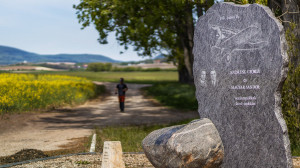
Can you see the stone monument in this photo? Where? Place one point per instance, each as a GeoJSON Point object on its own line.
{"type": "Point", "coordinates": [240, 64]}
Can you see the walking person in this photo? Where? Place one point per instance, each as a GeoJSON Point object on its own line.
{"type": "Point", "coordinates": [121, 89]}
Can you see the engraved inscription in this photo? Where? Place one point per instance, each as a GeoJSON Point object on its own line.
{"type": "Point", "coordinates": [229, 17]}
{"type": "Point", "coordinates": [245, 101]}
{"type": "Point", "coordinates": [243, 72]}
{"type": "Point", "coordinates": [249, 100]}
{"type": "Point", "coordinates": [245, 87]}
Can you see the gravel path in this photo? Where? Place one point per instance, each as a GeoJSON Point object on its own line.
{"type": "Point", "coordinates": [296, 162]}
{"type": "Point", "coordinates": [93, 161]}
{"type": "Point", "coordinates": [56, 129]}
{"type": "Point", "coordinates": [88, 161]}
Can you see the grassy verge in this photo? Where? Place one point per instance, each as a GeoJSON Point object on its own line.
{"type": "Point", "coordinates": [130, 136]}
{"type": "Point", "coordinates": [295, 150]}
{"type": "Point", "coordinates": [99, 90]}
{"type": "Point", "coordinates": [177, 95]}
{"type": "Point", "coordinates": [130, 77]}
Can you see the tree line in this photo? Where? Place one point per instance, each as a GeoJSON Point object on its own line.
{"type": "Point", "coordinates": [108, 67]}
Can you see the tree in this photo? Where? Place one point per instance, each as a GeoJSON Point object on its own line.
{"type": "Point", "coordinates": [291, 92]}
{"type": "Point", "coordinates": [98, 67]}
{"type": "Point", "coordinates": [289, 15]}
{"type": "Point", "coordinates": [151, 26]}
{"type": "Point", "coordinates": [288, 12]}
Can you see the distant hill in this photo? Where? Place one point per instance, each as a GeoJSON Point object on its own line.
{"type": "Point", "coordinates": [10, 55]}
{"type": "Point", "coordinates": [159, 57]}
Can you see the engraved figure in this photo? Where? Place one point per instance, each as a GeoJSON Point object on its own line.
{"type": "Point", "coordinates": [225, 41]}
{"type": "Point", "coordinates": [203, 79]}
{"type": "Point", "coordinates": [213, 77]}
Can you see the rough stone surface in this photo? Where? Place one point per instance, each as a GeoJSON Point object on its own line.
{"type": "Point", "coordinates": [194, 145]}
{"type": "Point", "coordinates": [112, 155]}
{"type": "Point", "coordinates": [240, 64]}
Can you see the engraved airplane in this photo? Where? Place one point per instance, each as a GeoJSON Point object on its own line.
{"type": "Point", "coordinates": [228, 40]}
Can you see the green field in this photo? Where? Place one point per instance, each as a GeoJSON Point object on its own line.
{"type": "Point", "coordinates": [130, 77]}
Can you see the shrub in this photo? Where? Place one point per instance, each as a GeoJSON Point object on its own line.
{"type": "Point", "coordinates": [291, 94]}
{"type": "Point", "coordinates": [98, 67]}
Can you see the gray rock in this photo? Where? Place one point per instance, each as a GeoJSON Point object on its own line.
{"type": "Point", "coordinates": [240, 64]}
{"type": "Point", "coordinates": [194, 145]}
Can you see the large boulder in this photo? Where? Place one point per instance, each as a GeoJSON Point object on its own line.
{"type": "Point", "coordinates": [196, 144]}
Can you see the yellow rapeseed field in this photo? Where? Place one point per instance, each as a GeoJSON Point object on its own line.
{"type": "Point", "coordinates": [23, 92]}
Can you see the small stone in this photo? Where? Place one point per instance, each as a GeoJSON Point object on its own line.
{"type": "Point", "coordinates": [196, 144]}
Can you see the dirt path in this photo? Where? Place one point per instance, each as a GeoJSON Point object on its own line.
{"type": "Point", "coordinates": [49, 131]}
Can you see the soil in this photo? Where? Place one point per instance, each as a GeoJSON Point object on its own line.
{"type": "Point", "coordinates": [58, 129]}
{"type": "Point", "coordinates": [25, 154]}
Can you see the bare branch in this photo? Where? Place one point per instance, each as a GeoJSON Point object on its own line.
{"type": "Point", "coordinates": [287, 22]}
{"type": "Point", "coordinates": [281, 21]}
{"type": "Point", "coordinates": [294, 12]}
{"type": "Point", "coordinates": [286, 12]}
{"type": "Point", "coordinates": [236, 2]}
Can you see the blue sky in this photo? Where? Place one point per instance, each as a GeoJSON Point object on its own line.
{"type": "Point", "coordinates": [51, 27]}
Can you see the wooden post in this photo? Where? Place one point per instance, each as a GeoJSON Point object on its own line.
{"type": "Point", "coordinates": [112, 156]}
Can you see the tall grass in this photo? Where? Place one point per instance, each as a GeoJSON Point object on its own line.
{"type": "Point", "coordinates": [177, 95]}
{"type": "Point", "coordinates": [23, 92]}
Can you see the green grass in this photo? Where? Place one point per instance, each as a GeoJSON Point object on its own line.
{"type": "Point", "coordinates": [82, 162]}
{"type": "Point", "coordinates": [131, 137]}
{"type": "Point", "coordinates": [99, 90]}
{"type": "Point", "coordinates": [295, 150]}
{"type": "Point", "coordinates": [130, 77]}
{"type": "Point", "coordinates": [177, 95]}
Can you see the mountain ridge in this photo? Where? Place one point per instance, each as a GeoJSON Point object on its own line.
{"type": "Point", "coordinates": [11, 55]}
